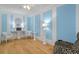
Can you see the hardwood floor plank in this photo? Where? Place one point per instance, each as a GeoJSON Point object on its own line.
{"type": "Point", "coordinates": [25, 46]}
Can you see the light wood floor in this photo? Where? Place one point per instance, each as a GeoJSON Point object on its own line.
{"type": "Point", "coordinates": [25, 46]}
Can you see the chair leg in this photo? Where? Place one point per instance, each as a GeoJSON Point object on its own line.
{"type": "Point", "coordinates": [0, 42]}
{"type": "Point", "coordinates": [6, 40]}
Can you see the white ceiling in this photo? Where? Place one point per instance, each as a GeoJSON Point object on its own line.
{"type": "Point", "coordinates": [35, 7]}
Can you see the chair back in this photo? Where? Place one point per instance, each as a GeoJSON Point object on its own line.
{"type": "Point", "coordinates": [77, 41]}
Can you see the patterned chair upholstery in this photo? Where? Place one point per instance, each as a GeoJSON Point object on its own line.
{"type": "Point", "coordinates": [63, 47]}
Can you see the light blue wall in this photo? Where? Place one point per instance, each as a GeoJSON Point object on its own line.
{"type": "Point", "coordinates": [4, 22]}
{"type": "Point", "coordinates": [37, 25]}
{"type": "Point", "coordinates": [48, 18]}
{"type": "Point", "coordinates": [66, 23]}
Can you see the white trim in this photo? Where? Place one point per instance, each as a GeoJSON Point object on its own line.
{"type": "Point", "coordinates": [26, 25]}
{"type": "Point", "coordinates": [54, 26]}
{"type": "Point", "coordinates": [42, 32]}
{"type": "Point", "coordinates": [77, 14]}
{"type": "Point", "coordinates": [8, 23]}
{"type": "Point", "coordinates": [0, 25]}
{"type": "Point", "coordinates": [34, 26]}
